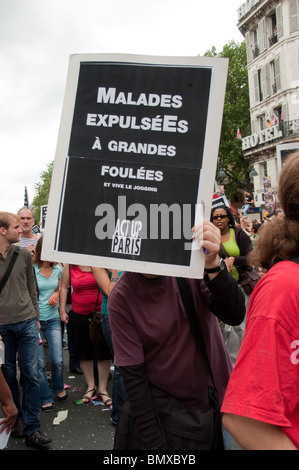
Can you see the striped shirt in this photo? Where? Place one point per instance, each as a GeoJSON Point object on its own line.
{"type": "Point", "coordinates": [25, 242]}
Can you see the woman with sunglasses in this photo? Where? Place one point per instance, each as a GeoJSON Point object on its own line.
{"type": "Point", "coordinates": [236, 244]}
{"type": "Point", "coordinates": [235, 247]}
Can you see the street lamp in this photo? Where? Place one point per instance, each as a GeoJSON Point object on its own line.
{"type": "Point", "coordinates": [221, 174]}
{"type": "Point", "coordinates": [253, 173]}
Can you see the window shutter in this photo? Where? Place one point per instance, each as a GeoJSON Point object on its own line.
{"type": "Point", "coordinates": [293, 15]}
{"type": "Point", "coordinates": [279, 20]}
{"type": "Point", "coordinates": [268, 90]}
{"type": "Point", "coordinates": [248, 46]}
{"type": "Point", "coordinates": [285, 112]}
{"type": "Point", "coordinates": [277, 73]}
{"type": "Point", "coordinates": [263, 82]}
{"type": "Point", "coordinates": [256, 88]}
{"type": "Point", "coordinates": [262, 35]}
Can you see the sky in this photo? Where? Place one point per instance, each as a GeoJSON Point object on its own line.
{"type": "Point", "coordinates": [37, 38]}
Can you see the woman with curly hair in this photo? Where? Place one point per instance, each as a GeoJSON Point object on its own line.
{"type": "Point", "coordinates": [261, 406]}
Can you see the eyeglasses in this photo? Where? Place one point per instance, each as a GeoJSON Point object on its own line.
{"type": "Point", "coordinates": [222, 216]}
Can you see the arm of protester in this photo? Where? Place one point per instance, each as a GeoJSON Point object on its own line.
{"type": "Point", "coordinates": [227, 301]}
{"type": "Point", "coordinates": [256, 435]}
{"type": "Point", "coordinates": [103, 281]}
{"type": "Point", "coordinates": [65, 282]}
{"type": "Point", "coordinates": [208, 237]}
{"type": "Point", "coordinates": [139, 394]}
{"type": "Point", "coordinates": [54, 298]}
{"type": "Point", "coordinates": [31, 248]}
{"type": "Point", "coordinates": [244, 243]}
{"type": "Point", "coordinates": [31, 283]}
{"type": "Point", "coordinates": [8, 407]}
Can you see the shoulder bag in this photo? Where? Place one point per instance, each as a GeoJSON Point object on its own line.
{"type": "Point", "coordinates": [216, 429]}
{"type": "Point", "coordinates": [9, 268]}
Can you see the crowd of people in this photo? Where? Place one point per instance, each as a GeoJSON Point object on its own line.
{"type": "Point", "coordinates": [196, 362]}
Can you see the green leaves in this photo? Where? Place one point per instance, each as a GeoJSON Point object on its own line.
{"type": "Point", "coordinates": [236, 115]}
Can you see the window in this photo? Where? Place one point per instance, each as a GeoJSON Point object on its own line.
{"type": "Point", "coordinates": [256, 49]}
{"type": "Point", "coordinates": [259, 83]}
{"type": "Point", "coordinates": [273, 77]}
{"type": "Point", "coordinates": [262, 122]}
{"type": "Point", "coordinates": [276, 74]}
{"type": "Point", "coordinates": [277, 112]}
{"type": "Point", "coordinates": [273, 30]}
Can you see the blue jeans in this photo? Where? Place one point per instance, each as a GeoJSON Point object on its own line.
{"type": "Point", "coordinates": [245, 207]}
{"type": "Point", "coordinates": [51, 329]}
{"type": "Point", "coordinates": [23, 337]}
{"type": "Point", "coordinates": [118, 388]}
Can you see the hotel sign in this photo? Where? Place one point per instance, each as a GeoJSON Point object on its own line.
{"type": "Point", "coordinates": [262, 137]}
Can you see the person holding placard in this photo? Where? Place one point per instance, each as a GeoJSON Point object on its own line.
{"type": "Point", "coordinates": [168, 377]}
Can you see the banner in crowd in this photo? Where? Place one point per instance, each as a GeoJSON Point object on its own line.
{"type": "Point", "coordinates": [284, 151]}
{"type": "Point", "coordinates": [135, 163]}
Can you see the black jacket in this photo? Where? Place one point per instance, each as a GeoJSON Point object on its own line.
{"type": "Point", "coordinates": [244, 243]}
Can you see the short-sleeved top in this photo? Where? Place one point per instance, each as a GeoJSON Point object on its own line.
{"type": "Point", "coordinates": [84, 291]}
{"type": "Point", "coordinates": [264, 384]}
{"type": "Point", "coordinates": [46, 288]}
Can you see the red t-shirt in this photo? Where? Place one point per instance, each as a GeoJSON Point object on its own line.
{"type": "Point", "coordinates": [264, 384]}
{"type": "Point", "coordinates": [85, 291]}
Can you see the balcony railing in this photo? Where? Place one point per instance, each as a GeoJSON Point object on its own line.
{"type": "Point", "coordinates": [290, 128]}
{"type": "Point", "coordinates": [273, 40]}
{"type": "Point", "coordinates": [256, 52]}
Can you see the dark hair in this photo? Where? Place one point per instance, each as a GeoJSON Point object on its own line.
{"type": "Point", "coordinates": [228, 211]}
{"type": "Point", "coordinates": [37, 254]}
{"type": "Point", "coordinates": [256, 225]}
{"type": "Point", "coordinates": [279, 240]}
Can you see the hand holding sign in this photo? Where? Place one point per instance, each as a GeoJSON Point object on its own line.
{"type": "Point", "coordinates": [208, 237]}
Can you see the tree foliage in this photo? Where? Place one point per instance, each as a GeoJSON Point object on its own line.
{"type": "Point", "coordinates": [42, 190]}
{"type": "Point", "coordinates": [236, 115]}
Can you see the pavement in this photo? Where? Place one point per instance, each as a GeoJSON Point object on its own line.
{"type": "Point", "coordinates": [86, 427]}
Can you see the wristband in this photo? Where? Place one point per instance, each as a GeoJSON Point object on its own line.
{"type": "Point", "coordinates": [217, 269]}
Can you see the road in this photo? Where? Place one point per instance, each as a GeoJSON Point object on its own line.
{"type": "Point", "coordinates": [87, 427]}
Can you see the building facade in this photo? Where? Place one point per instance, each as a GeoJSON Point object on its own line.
{"type": "Point", "coordinates": [271, 31]}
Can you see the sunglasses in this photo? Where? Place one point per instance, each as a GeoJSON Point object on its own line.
{"type": "Point", "coordinates": [222, 216]}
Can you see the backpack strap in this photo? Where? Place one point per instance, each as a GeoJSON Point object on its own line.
{"type": "Point", "coordinates": [194, 323]}
{"type": "Point", "coordinates": [9, 268]}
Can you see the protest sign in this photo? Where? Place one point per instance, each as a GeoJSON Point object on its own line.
{"type": "Point", "coordinates": [43, 216]}
{"type": "Point", "coordinates": [135, 162]}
